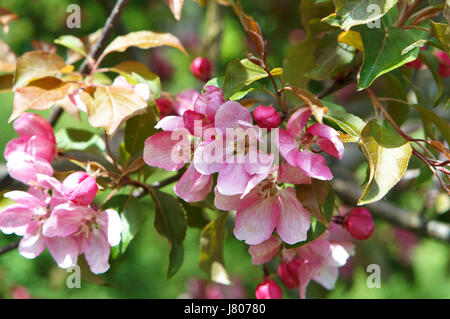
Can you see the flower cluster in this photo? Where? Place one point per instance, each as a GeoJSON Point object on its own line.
{"type": "Point", "coordinates": [217, 136]}
{"type": "Point", "coordinates": [52, 214]}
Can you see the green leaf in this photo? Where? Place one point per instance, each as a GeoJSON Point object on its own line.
{"type": "Point", "coordinates": [387, 154]}
{"type": "Point", "coordinates": [395, 88]}
{"type": "Point", "coordinates": [72, 139]}
{"type": "Point", "coordinates": [211, 255]}
{"type": "Point", "coordinates": [329, 56]}
{"type": "Point", "coordinates": [241, 73]}
{"type": "Point", "coordinates": [442, 32]}
{"type": "Point", "coordinates": [133, 216]}
{"type": "Point", "coordinates": [138, 129]}
{"type": "Point", "coordinates": [349, 123]}
{"type": "Point", "coordinates": [312, 11]}
{"type": "Point", "coordinates": [383, 49]}
{"type": "Point", "coordinates": [312, 196]}
{"type": "Point", "coordinates": [355, 12]}
{"type": "Point", "coordinates": [72, 42]}
{"type": "Point", "coordinates": [170, 222]}
{"type": "Point", "coordinates": [440, 123]}
{"type": "Point", "coordinates": [430, 60]}
{"type": "Point", "coordinates": [298, 62]}
{"type": "Point", "coordinates": [194, 215]}
{"type": "Point", "coordinates": [217, 81]}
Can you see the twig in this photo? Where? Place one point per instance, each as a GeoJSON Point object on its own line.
{"type": "Point", "coordinates": [97, 50]}
{"type": "Point", "coordinates": [348, 192]}
{"type": "Point", "coordinates": [407, 13]}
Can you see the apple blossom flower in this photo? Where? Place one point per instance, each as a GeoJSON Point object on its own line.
{"type": "Point", "coordinates": [265, 208]}
{"type": "Point", "coordinates": [185, 100]}
{"type": "Point", "coordinates": [268, 289]}
{"type": "Point", "coordinates": [266, 116]}
{"type": "Point", "coordinates": [80, 188]}
{"type": "Point", "coordinates": [33, 151]}
{"type": "Point", "coordinates": [295, 144]}
{"type": "Point", "coordinates": [94, 231]}
{"type": "Point", "coordinates": [317, 260]}
{"type": "Point", "coordinates": [165, 107]}
{"type": "Point", "coordinates": [201, 68]}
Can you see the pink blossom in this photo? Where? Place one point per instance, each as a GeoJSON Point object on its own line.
{"type": "Point", "coordinates": [80, 188]}
{"type": "Point", "coordinates": [185, 101]}
{"type": "Point", "coordinates": [268, 289]}
{"type": "Point", "coordinates": [265, 208]}
{"type": "Point", "coordinates": [201, 68]}
{"type": "Point", "coordinates": [94, 231]}
{"type": "Point", "coordinates": [165, 107]}
{"type": "Point", "coordinates": [266, 116]}
{"type": "Point", "coordinates": [317, 260]}
{"type": "Point", "coordinates": [295, 144]}
{"type": "Point", "coordinates": [444, 63]}
{"type": "Point", "coordinates": [32, 152]}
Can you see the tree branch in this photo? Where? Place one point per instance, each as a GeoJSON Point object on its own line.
{"type": "Point", "coordinates": [349, 194]}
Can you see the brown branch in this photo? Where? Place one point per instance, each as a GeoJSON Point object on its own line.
{"type": "Point", "coordinates": [349, 193]}
{"type": "Point", "coordinates": [97, 50]}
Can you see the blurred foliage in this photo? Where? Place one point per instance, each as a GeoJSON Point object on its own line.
{"type": "Point", "coordinates": [140, 272]}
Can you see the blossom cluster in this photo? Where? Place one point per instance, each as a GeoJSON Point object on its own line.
{"type": "Point", "coordinates": [59, 216]}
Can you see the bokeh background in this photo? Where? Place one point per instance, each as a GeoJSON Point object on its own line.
{"type": "Point", "coordinates": [411, 267]}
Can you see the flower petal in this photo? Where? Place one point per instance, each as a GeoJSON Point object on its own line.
{"type": "Point", "coordinates": [294, 220]}
{"type": "Point", "coordinates": [264, 252]}
{"type": "Point", "coordinates": [193, 186]}
{"type": "Point", "coordinates": [292, 175]}
{"type": "Point", "coordinates": [328, 139]}
{"type": "Point", "coordinates": [65, 220]}
{"type": "Point", "coordinates": [297, 121]}
{"type": "Point", "coordinates": [15, 219]}
{"type": "Point", "coordinates": [64, 250]}
{"type": "Point", "coordinates": [32, 245]}
{"type": "Point", "coordinates": [97, 252]}
{"type": "Point", "coordinates": [233, 179]}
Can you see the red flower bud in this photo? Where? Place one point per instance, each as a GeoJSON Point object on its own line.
{"type": "Point", "coordinates": [415, 64]}
{"type": "Point", "coordinates": [359, 223]}
{"type": "Point", "coordinates": [268, 289]}
{"type": "Point", "coordinates": [165, 107]}
{"type": "Point", "coordinates": [201, 68]}
{"type": "Point", "coordinates": [444, 64]}
{"type": "Point", "coordinates": [80, 188]}
{"type": "Point", "coordinates": [266, 116]}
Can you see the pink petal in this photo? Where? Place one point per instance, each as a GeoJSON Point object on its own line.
{"type": "Point", "coordinates": [24, 168]}
{"type": "Point", "coordinates": [40, 147]}
{"type": "Point", "coordinates": [233, 179]}
{"type": "Point", "coordinates": [32, 245]}
{"type": "Point", "coordinates": [26, 199]}
{"type": "Point", "coordinates": [97, 252]}
{"type": "Point", "coordinates": [193, 186]}
{"type": "Point", "coordinates": [286, 144]}
{"type": "Point", "coordinates": [29, 124]}
{"type": "Point", "coordinates": [185, 101]}
{"type": "Point", "coordinates": [111, 224]}
{"type": "Point", "coordinates": [256, 219]}
{"type": "Point", "coordinates": [297, 121]}
{"type": "Point", "coordinates": [230, 114]}
{"type": "Point", "coordinates": [65, 220]}
{"type": "Point", "coordinates": [226, 203]}
{"type": "Point", "coordinates": [209, 102]}
{"type": "Point", "coordinates": [167, 151]}
{"type": "Point", "coordinates": [195, 122]}
{"type": "Point", "coordinates": [64, 250]}
{"type": "Point", "coordinates": [264, 252]}
{"type": "Point", "coordinates": [170, 123]}
{"type": "Point", "coordinates": [312, 164]}
{"type": "Point", "coordinates": [294, 220]}
{"type": "Point", "coordinates": [209, 157]}
{"type": "Point", "coordinates": [328, 139]}
{"type": "Point", "coordinates": [327, 277]}
{"type": "Point", "coordinates": [292, 175]}
{"type": "Point", "coordinates": [15, 219]}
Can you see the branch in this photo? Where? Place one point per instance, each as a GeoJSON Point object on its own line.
{"type": "Point", "coordinates": [97, 50]}
{"type": "Point", "coordinates": [349, 194]}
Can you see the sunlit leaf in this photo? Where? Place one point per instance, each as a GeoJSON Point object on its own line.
{"type": "Point", "coordinates": [176, 6]}
{"type": "Point", "coordinates": [349, 123]}
{"type": "Point", "coordinates": [112, 106]}
{"type": "Point", "coordinates": [72, 139]}
{"type": "Point", "coordinates": [352, 38]}
{"type": "Point", "coordinates": [39, 95]}
{"type": "Point", "coordinates": [354, 12]}
{"type": "Point", "coordinates": [36, 65]}
{"type": "Point", "coordinates": [388, 154]}
{"type": "Point", "coordinates": [73, 43]}
{"type": "Point", "coordinates": [211, 255]}
{"type": "Point", "coordinates": [143, 40]}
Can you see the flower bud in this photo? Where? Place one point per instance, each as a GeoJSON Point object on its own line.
{"type": "Point", "coordinates": [266, 116]}
{"type": "Point", "coordinates": [80, 188]}
{"type": "Point", "coordinates": [415, 64]}
{"type": "Point", "coordinates": [165, 106]}
{"type": "Point", "coordinates": [359, 223]}
{"type": "Point", "coordinates": [444, 64]}
{"type": "Point", "coordinates": [268, 289]}
{"type": "Point", "coordinates": [201, 68]}
{"type": "Point", "coordinates": [288, 272]}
